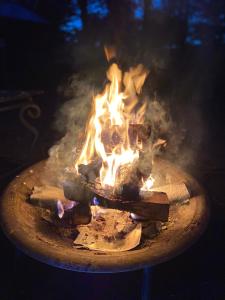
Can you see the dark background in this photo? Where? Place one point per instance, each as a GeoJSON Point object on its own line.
{"type": "Point", "coordinates": [182, 42]}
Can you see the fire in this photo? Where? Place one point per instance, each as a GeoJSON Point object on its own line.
{"type": "Point", "coordinates": [148, 183]}
{"type": "Point", "coordinates": [107, 130]}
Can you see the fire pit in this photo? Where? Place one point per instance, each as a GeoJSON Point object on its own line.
{"type": "Point", "coordinates": [23, 225]}
{"type": "Point", "coordinates": [108, 203]}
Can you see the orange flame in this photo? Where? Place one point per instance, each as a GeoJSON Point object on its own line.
{"type": "Point", "coordinates": [113, 111]}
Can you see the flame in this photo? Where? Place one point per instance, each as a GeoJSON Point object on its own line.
{"type": "Point", "coordinates": [107, 129]}
{"type": "Point", "coordinates": [147, 184]}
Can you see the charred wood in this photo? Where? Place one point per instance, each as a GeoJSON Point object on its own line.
{"type": "Point", "coordinates": [91, 171]}
{"type": "Point", "coordinates": [154, 207]}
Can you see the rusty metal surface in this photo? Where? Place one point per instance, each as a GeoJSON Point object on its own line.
{"type": "Point", "coordinates": [22, 224]}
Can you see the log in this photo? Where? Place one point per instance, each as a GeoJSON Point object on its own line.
{"type": "Point", "coordinates": [77, 190]}
{"type": "Point", "coordinates": [78, 215]}
{"type": "Point", "coordinates": [154, 207]}
{"type": "Point", "coordinates": [91, 171]}
{"type": "Point", "coordinates": [139, 132]}
{"type": "Point", "coordinates": [175, 192]}
{"type": "Point", "coordinates": [52, 198]}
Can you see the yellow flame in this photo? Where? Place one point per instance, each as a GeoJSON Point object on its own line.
{"type": "Point", "coordinates": [147, 184]}
{"type": "Point", "coordinates": [113, 111]}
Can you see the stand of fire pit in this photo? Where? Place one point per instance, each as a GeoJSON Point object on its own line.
{"type": "Point", "coordinates": [23, 225]}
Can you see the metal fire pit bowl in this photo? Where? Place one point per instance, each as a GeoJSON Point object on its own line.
{"type": "Point", "coordinates": [23, 225]}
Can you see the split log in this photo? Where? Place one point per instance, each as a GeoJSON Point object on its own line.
{"type": "Point", "coordinates": [77, 190]}
{"type": "Point", "coordinates": [52, 198]}
{"type": "Point", "coordinates": [78, 215]}
{"type": "Point", "coordinates": [175, 192]}
{"type": "Point", "coordinates": [154, 207]}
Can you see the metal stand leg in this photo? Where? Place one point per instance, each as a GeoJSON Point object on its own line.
{"type": "Point", "coordinates": [146, 284]}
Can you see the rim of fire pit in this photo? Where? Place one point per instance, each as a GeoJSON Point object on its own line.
{"type": "Point", "coordinates": [21, 223]}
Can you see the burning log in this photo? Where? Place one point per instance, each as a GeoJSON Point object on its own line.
{"type": "Point", "coordinates": [77, 189]}
{"type": "Point", "coordinates": [139, 132]}
{"type": "Point", "coordinates": [154, 207]}
{"type": "Point", "coordinates": [91, 171]}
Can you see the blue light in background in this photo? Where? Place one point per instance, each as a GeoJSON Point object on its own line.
{"type": "Point", "coordinates": [72, 24]}
{"type": "Point", "coordinates": [194, 42]}
{"type": "Point", "coordinates": [156, 4]}
{"type": "Point", "coordinates": [98, 8]}
{"type": "Point", "coordinates": [139, 13]}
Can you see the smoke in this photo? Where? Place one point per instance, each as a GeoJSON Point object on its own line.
{"type": "Point", "coordinates": [70, 121]}
{"type": "Point", "coordinates": [179, 125]}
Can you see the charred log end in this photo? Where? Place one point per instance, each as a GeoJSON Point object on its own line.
{"type": "Point", "coordinates": [130, 192]}
{"type": "Point", "coordinates": [158, 206]}
{"type": "Point", "coordinates": [79, 215]}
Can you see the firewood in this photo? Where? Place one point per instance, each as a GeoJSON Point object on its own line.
{"type": "Point", "coordinates": [91, 171]}
{"type": "Point", "coordinates": [50, 197]}
{"type": "Point", "coordinates": [53, 199]}
{"type": "Point", "coordinates": [139, 132]}
{"type": "Point", "coordinates": [154, 207]}
{"type": "Point", "coordinates": [128, 181]}
{"type": "Point", "coordinates": [79, 214]}
{"type": "Point", "coordinates": [77, 190]}
{"type": "Point", "coordinates": [129, 192]}
{"type": "Point", "coordinates": [175, 192]}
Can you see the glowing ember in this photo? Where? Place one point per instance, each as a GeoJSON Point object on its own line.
{"type": "Point", "coordinates": [107, 131]}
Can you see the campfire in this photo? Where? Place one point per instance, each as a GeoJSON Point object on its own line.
{"type": "Point", "coordinates": [110, 199]}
